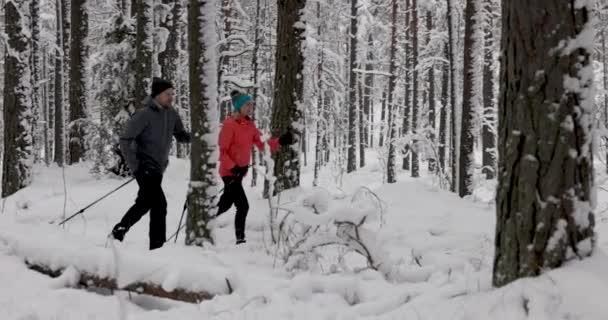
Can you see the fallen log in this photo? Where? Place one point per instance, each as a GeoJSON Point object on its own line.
{"type": "Point", "coordinates": [170, 272]}
{"type": "Point", "coordinates": [92, 281]}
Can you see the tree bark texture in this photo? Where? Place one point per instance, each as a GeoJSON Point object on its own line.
{"type": "Point", "coordinates": [546, 115]}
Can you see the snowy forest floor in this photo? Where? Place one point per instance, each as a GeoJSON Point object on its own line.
{"type": "Point", "coordinates": [446, 240]}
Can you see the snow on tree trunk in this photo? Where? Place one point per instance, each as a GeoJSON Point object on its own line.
{"type": "Point", "coordinates": [59, 150]}
{"type": "Point", "coordinates": [408, 81]}
{"type": "Point", "coordinates": [488, 121]}
{"type": "Point", "coordinates": [546, 116]}
{"type": "Point", "coordinates": [17, 157]}
{"type": "Point", "coordinates": [415, 106]}
{"type": "Point", "coordinates": [351, 163]}
{"type": "Point", "coordinates": [288, 90]}
{"type": "Point", "coordinates": [202, 193]}
{"type": "Point", "coordinates": [77, 96]}
{"type": "Point", "coordinates": [144, 51]}
{"type": "Point", "coordinates": [392, 135]}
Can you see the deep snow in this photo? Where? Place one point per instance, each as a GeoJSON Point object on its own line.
{"type": "Point", "coordinates": [441, 243]}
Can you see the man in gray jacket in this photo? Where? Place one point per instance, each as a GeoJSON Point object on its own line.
{"type": "Point", "coordinates": [146, 144]}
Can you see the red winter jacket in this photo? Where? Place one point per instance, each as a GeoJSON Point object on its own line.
{"type": "Point", "coordinates": [237, 137]}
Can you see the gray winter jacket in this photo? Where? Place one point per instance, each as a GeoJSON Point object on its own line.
{"type": "Point", "coordinates": [147, 140]}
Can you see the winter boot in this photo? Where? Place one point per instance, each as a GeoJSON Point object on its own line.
{"type": "Point", "coordinates": [119, 232]}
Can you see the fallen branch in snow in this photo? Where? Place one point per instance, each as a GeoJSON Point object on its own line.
{"type": "Point", "coordinates": [90, 280]}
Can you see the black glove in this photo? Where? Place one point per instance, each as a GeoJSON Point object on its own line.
{"type": "Point", "coordinates": [286, 139]}
{"type": "Point", "coordinates": [239, 172]}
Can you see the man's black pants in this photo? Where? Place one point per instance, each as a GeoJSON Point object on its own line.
{"type": "Point", "coordinates": [150, 197]}
{"type": "Point", "coordinates": [235, 194]}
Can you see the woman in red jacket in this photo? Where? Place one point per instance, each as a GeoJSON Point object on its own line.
{"type": "Point", "coordinates": [237, 137]}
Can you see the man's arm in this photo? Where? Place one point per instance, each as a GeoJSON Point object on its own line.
{"type": "Point", "coordinates": [128, 146]}
{"type": "Point", "coordinates": [179, 132]}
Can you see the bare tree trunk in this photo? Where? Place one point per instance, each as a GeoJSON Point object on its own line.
{"type": "Point", "coordinates": [408, 81]}
{"type": "Point", "coordinates": [320, 121]}
{"type": "Point", "coordinates": [36, 94]}
{"type": "Point", "coordinates": [487, 134]}
{"type": "Point", "coordinates": [59, 81]}
{"type": "Point", "coordinates": [17, 156]}
{"type": "Point", "coordinates": [256, 86]}
{"type": "Point", "coordinates": [454, 163]}
{"type": "Point", "coordinates": [288, 91]}
{"type": "Point", "coordinates": [467, 135]}
{"type": "Point", "coordinates": [431, 93]}
{"type": "Point", "coordinates": [45, 108]}
{"type": "Point", "coordinates": [546, 118]}
{"type": "Point", "coordinates": [144, 51]}
{"type": "Point", "coordinates": [605, 78]}
{"type": "Point", "coordinates": [225, 104]}
{"type": "Point", "coordinates": [203, 89]}
{"type": "Point", "coordinates": [78, 54]}
{"type": "Point", "coordinates": [361, 118]}
{"type": "Point", "coordinates": [382, 119]}
{"type": "Point", "coordinates": [351, 163]}
{"type": "Point", "coordinates": [391, 176]}
{"type": "Point", "coordinates": [414, 30]}
{"type": "Point", "coordinates": [367, 93]}
{"type": "Point", "coordinates": [134, 6]}
{"type": "Point", "coordinates": [443, 118]}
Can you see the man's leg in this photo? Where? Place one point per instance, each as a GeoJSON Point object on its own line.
{"type": "Point", "coordinates": [242, 208]}
{"type": "Point", "coordinates": [138, 210]}
{"type": "Point", "coordinates": [158, 216]}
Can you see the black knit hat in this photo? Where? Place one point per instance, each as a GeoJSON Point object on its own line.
{"type": "Point", "coordinates": [159, 86]}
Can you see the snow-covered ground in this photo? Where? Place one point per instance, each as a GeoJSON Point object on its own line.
{"type": "Point", "coordinates": [442, 245]}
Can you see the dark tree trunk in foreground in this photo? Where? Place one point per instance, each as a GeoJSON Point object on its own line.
{"type": "Point", "coordinates": [17, 157]}
{"type": "Point", "coordinates": [288, 91]}
{"type": "Point", "coordinates": [546, 115]}
{"type": "Point", "coordinates": [78, 54]}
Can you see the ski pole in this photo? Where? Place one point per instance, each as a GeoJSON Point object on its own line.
{"type": "Point", "coordinates": [95, 202]}
{"type": "Point", "coordinates": [179, 226]}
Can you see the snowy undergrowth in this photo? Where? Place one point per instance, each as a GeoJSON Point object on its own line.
{"type": "Point", "coordinates": [442, 244]}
